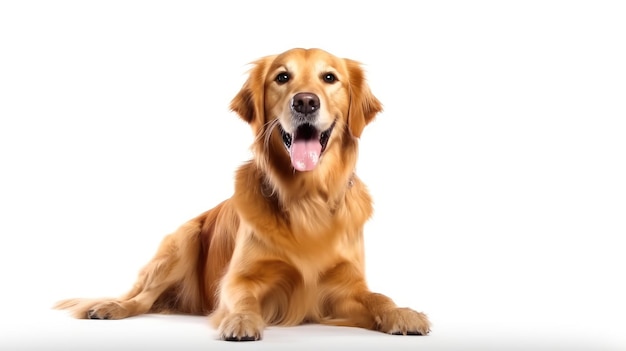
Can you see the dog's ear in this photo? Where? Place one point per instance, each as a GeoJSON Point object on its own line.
{"type": "Point", "coordinates": [249, 102]}
{"type": "Point", "coordinates": [363, 104]}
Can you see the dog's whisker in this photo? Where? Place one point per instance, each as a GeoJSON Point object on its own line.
{"type": "Point", "coordinates": [266, 134]}
{"type": "Point", "coordinates": [269, 128]}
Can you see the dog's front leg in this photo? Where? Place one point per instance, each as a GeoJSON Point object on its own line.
{"type": "Point", "coordinates": [254, 276]}
{"type": "Point", "coordinates": [238, 317]}
{"type": "Point", "coordinates": [255, 291]}
{"type": "Point", "coordinates": [350, 303]}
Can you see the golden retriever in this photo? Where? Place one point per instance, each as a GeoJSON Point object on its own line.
{"type": "Point", "coordinates": [287, 247]}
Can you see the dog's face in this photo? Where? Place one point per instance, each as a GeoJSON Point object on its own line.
{"type": "Point", "coordinates": [307, 100]}
{"type": "Point", "coordinates": [307, 92]}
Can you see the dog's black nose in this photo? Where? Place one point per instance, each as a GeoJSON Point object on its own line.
{"type": "Point", "coordinates": [305, 103]}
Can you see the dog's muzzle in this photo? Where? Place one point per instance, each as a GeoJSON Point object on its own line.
{"type": "Point", "coordinates": [306, 144]}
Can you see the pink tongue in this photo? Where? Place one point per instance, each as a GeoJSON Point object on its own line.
{"type": "Point", "coordinates": [305, 154]}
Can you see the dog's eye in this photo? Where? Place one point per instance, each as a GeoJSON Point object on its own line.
{"type": "Point", "coordinates": [282, 78]}
{"type": "Point", "coordinates": [329, 78]}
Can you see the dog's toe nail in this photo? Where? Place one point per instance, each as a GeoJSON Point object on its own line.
{"type": "Point", "coordinates": [411, 332]}
{"type": "Point", "coordinates": [91, 314]}
{"type": "Point", "coordinates": [248, 338]}
{"type": "Point", "coordinates": [240, 338]}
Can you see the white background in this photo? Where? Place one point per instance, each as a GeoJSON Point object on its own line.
{"type": "Point", "coordinates": [498, 167]}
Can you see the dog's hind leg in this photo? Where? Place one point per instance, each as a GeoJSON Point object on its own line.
{"type": "Point", "coordinates": [170, 277]}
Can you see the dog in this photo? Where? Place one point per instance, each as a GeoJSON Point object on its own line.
{"type": "Point", "coordinates": [287, 247]}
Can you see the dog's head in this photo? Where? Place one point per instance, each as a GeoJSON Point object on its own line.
{"type": "Point", "coordinates": [306, 100]}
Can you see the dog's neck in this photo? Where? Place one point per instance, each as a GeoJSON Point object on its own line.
{"type": "Point", "coordinates": [269, 191]}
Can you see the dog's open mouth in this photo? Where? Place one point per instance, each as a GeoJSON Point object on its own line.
{"type": "Point", "coordinates": [306, 145]}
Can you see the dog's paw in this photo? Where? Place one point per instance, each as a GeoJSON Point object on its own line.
{"type": "Point", "coordinates": [107, 310]}
{"type": "Point", "coordinates": [241, 327]}
{"type": "Point", "coordinates": [404, 321]}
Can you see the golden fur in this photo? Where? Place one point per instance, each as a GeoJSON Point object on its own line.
{"type": "Point", "coordinates": [287, 247]}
